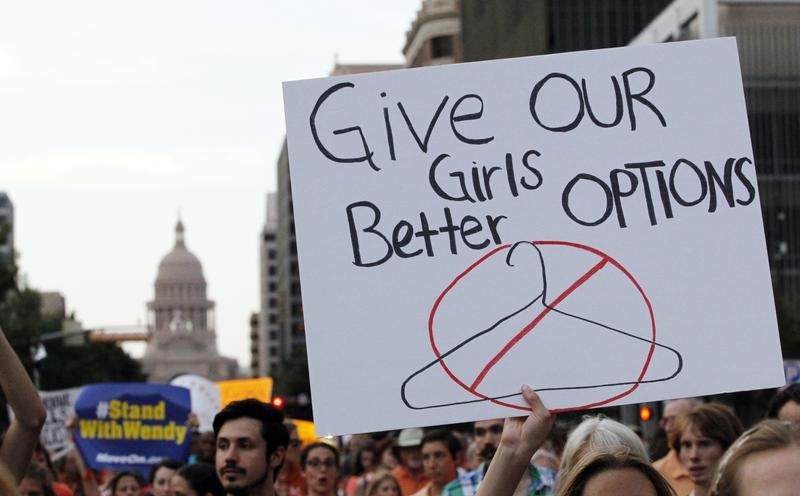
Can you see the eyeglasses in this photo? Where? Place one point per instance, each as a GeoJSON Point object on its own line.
{"type": "Point", "coordinates": [494, 429]}
{"type": "Point", "coordinates": [317, 463]}
{"type": "Point", "coordinates": [294, 443]}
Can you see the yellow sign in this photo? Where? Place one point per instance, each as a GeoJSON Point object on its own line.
{"type": "Point", "coordinates": [305, 431]}
{"type": "Point", "coordinates": [241, 389]}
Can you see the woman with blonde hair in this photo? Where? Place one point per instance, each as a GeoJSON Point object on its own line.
{"type": "Point", "coordinates": [764, 460]}
{"type": "Point", "coordinates": [382, 483]}
{"type": "Point", "coordinates": [599, 433]}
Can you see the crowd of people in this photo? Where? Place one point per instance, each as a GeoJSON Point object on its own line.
{"type": "Point", "coordinates": [254, 450]}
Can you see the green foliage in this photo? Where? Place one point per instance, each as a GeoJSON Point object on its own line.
{"type": "Point", "coordinates": [67, 367]}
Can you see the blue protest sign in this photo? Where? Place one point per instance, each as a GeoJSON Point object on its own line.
{"type": "Point", "coordinates": [130, 426]}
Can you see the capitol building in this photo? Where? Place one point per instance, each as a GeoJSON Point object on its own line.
{"type": "Point", "coordinates": [180, 321]}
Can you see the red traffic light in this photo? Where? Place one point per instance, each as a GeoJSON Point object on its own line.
{"type": "Point", "coordinates": [645, 413]}
{"type": "Point", "coordinates": [278, 401]}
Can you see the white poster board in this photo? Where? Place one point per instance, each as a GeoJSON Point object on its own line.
{"type": "Point", "coordinates": [586, 223]}
{"type": "Point", "coordinates": [60, 406]}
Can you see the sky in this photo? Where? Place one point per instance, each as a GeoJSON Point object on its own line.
{"type": "Point", "coordinates": [117, 116]}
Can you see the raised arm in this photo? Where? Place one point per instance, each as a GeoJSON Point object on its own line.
{"type": "Point", "coordinates": [522, 436]}
{"type": "Point", "coordinates": [29, 412]}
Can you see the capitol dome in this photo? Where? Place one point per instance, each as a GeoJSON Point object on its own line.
{"type": "Point", "coordinates": [180, 266]}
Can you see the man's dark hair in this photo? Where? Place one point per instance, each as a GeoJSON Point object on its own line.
{"type": "Point", "coordinates": [165, 463]}
{"type": "Point", "coordinates": [307, 450]}
{"type": "Point", "coordinates": [202, 478]}
{"type": "Point", "coordinates": [40, 475]}
{"type": "Point", "coordinates": [114, 482]}
{"type": "Point", "coordinates": [785, 395]}
{"type": "Point", "coordinates": [272, 429]}
{"type": "Point", "coordinates": [443, 436]}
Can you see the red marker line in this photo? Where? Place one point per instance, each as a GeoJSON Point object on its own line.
{"type": "Point", "coordinates": [525, 330]}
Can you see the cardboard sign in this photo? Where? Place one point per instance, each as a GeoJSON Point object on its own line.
{"type": "Point", "coordinates": [586, 223]}
{"type": "Point", "coordinates": [131, 426]}
{"type": "Point", "coordinates": [259, 388]}
{"type": "Point", "coordinates": [60, 406]}
{"type": "Point", "coordinates": [205, 398]}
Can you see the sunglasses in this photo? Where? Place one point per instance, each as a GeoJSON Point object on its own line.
{"type": "Point", "coordinates": [494, 429]}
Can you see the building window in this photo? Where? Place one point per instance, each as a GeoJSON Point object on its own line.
{"type": "Point", "coordinates": [273, 302]}
{"type": "Point", "coordinates": [271, 254]}
{"type": "Point", "coordinates": [441, 46]}
{"type": "Point", "coordinates": [273, 351]}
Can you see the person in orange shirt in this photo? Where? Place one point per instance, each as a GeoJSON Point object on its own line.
{"type": "Point", "coordinates": [670, 466]}
{"type": "Point", "coordinates": [410, 474]}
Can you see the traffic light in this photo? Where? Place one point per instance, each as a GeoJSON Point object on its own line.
{"type": "Point", "coordinates": [278, 402]}
{"type": "Point", "coordinates": [645, 413]}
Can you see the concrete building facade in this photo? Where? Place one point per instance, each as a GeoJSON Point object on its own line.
{"type": "Point", "coordinates": [265, 342]}
{"type": "Point", "coordinates": [435, 34]}
{"type": "Point", "coordinates": [517, 28]}
{"type": "Point", "coordinates": [768, 37]}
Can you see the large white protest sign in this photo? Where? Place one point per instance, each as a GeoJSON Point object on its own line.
{"type": "Point", "coordinates": [587, 223]}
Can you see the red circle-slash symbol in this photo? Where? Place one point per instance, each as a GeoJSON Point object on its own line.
{"type": "Point", "coordinates": [550, 306]}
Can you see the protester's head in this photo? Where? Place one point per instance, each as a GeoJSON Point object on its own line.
{"type": "Point", "coordinates": [785, 405]}
{"type": "Point", "coordinates": [599, 433]}
{"type": "Point", "coordinates": [293, 448]}
{"type": "Point", "coordinates": [36, 482]}
{"type": "Point", "coordinates": [440, 449]}
{"type": "Point", "coordinates": [388, 457]}
{"type": "Point", "coordinates": [672, 409]}
{"type": "Point", "coordinates": [42, 457]}
{"type": "Point", "coordinates": [126, 484]}
{"type": "Point", "coordinates": [319, 463]}
{"type": "Point", "coordinates": [383, 483]}
{"type": "Point", "coordinates": [487, 437]}
{"type": "Point", "coordinates": [701, 436]}
{"type": "Point", "coordinates": [471, 458]}
{"type": "Point", "coordinates": [366, 459]}
{"type": "Point", "coordinates": [160, 474]}
{"type": "Point", "coordinates": [251, 443]}
{"type": "Point", "coordinates": [198, 479]}
{"type": "Point", "coordinates": [7, 483]}
{"type": "Point", "coordinates": [613, 472]}
{"type": "Point", "coordinates": [764, 460]}
{"type": "Point", "coordinates": [408, 448]}
{"type": "Point", "coordinates": [207, 446]}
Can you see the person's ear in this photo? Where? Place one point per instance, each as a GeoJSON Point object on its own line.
{"type": "Point", "coordinates": [277, 456]}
